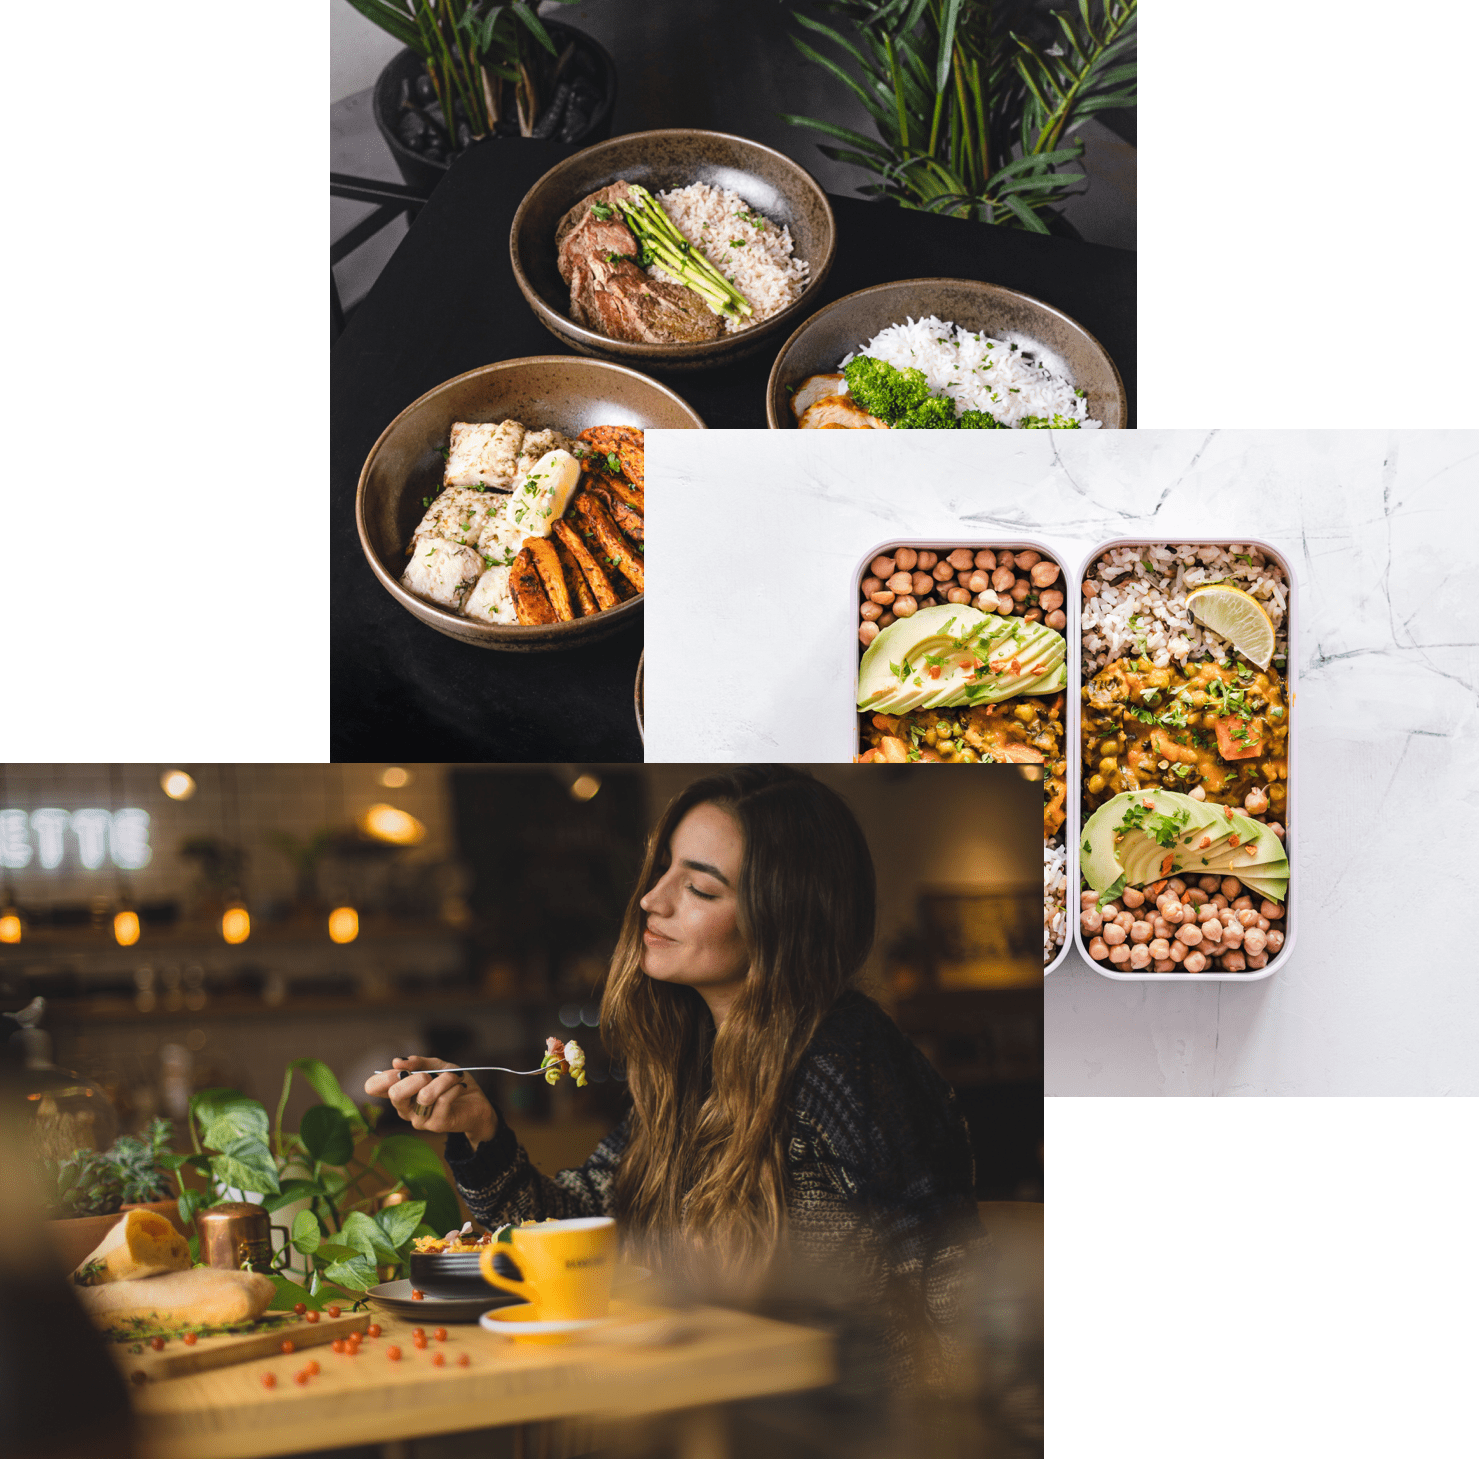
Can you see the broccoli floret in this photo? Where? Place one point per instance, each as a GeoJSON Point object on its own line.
{"type": "Point", "coordinates": [1045, 423]}
{"type": "Point", "coordinates": [884, 391]}
{"type": "Point", "coordinates": [979, 420]}
{"type": "Point", "coordinates": [932, 414]}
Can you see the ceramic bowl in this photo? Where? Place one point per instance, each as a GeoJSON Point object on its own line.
{"type": "Point", "coordinates": [820, 344]}
{"type": "Point", "coordinates": [543, 391]}
{"type": "Point", "coordinates": [780, 189]}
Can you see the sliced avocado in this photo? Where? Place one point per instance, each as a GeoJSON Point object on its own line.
{"type": "Point", "coordinates": [900, 654]}
{"type": "Point", "coordinates": [1275, 888]}
{"type": "Point", "coordinates": [1233, 859]}
{"type": "Point", "coordinates": [1131, 835]}
{"type": "Point", "coordinates": [1041, 656]}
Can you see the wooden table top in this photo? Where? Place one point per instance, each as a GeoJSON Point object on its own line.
{"type": "Point", "coordinates": [715, 1356]}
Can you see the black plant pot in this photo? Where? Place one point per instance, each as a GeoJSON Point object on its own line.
{"type": "Point", "coordinates": [423, 172]}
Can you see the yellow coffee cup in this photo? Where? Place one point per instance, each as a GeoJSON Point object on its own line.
{"type": "Point", "coordinates": [567, 1267]}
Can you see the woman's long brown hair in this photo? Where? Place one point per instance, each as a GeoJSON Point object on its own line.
{"type": "Point", "coordinates": [703, 1176]}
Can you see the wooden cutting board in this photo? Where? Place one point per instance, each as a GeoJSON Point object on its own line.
{"type": "Point", "coordinates": [177, 1358]}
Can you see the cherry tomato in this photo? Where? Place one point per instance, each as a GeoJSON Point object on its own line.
{"type": "Point", "coordinates": [440, 1334]}
{"type": "Point", "coordinates": [334, 1309]}
{"type": "Point", "coordinates": [437, 1359]}
{"type": "Point", "coordinates": [299, 1308]}
{"type": "Point", "coordinates": [190, 1339]}
{"type": "Point", "coordinates": [418, 1332]}
{"type": "Point", "coordinates": [463, 1360]}
{"type": "Point", "coordinates": [417, 1296]}
{"type": "Point", "coordinates": [269, 1380]}
{"type": "Point", "coordinates": [157, 1343]}
{"type": "Point", "coordinates": [373, 1330]}
{"type": "Point", "coordinates": [313, 1368]}
{"type": "Point", "coordinates": [339, 1345]}
{"type": "Point", "coordinates": [288, 1345]}
{"type": "Point", "coordinates": [301, 1377]}
{"type": "Point", "coordinates": [393, 1353]}
{"type": "Point", "coordinates": [310, 1317]}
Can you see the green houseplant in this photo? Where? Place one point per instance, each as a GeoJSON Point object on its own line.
{"type": "Point", "coordinates": [343, 1245]}
{"type": "Point", "coordinates": [134, 1170]}
{"type": "Point", "coordinates": [975, 101]}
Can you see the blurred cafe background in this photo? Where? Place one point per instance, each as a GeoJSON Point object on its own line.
{"type": "Point", "coordinates": [170, 928]}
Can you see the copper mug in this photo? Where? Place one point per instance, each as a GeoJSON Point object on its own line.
{"type": "Point", "coordinates": [237, 1234]}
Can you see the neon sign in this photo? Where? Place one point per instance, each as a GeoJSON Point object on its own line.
{"type": "Point", "coordinates": [97, 836]}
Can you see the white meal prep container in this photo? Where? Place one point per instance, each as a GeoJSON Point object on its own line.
{"type": "Point", "coordinates": [1291, 817]}
{"type": "Point", "coordinates": [1072, 596]}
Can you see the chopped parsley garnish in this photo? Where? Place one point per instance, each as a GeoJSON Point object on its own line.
{"type": "Point", "coordinates": [602, 212]}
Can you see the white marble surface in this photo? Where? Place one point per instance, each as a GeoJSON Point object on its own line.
{"type": "Point", "coordinates": [754, 538]}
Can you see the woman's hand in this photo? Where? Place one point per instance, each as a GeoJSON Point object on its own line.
{"type": "Point", "coordinates": [445, 1104]}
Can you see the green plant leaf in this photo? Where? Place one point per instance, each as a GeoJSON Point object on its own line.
{"type": "Point", "coordinates": [949, 18]}
{"type": "Point", "coordinates": [292, 1190]}
{"type": "Point", "coordinates": [248, 1165]}
{"type": "Point", "coordinates": [226, 1115]}
{"type": "Point", "coordinates": [392, 20]}
{"type": "Point", "coordinates": [405, 1157]}
{"type": "Point", "coordinates": [1025, 215]}
{"type": "Point", "coordinates": [322, 1081]}
{"type": "Point", "coordinates": [357, 1273]}
{"type": "Point", "coordinates": [531, 20]}
{"type": "Point", "coordinates": [289, 1293]}
{"type": "Point", "coordinates": [189, 1203]}
{"type": "Point", "coordinates": [330, 1251]}
{"type": "Point", "coordinates": [400, 1223]}
{"type": "Point", "coordinates": [326, 1133]}
{"type": "Point", "coordinates": [306, 1235]}
{"type": "Point", "coordinates": [360, 1232]}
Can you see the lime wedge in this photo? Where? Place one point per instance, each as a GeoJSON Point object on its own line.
{"type": "Point", "coordinates": [1237, 617]}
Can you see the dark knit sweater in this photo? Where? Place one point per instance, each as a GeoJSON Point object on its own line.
{"type": "Point", "coordinates": [879, 1175]}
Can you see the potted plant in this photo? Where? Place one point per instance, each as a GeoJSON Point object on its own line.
{"type": "Point", "coordinates": [472, 70]}
{"type": "Point", "coordinates": [975, 103]}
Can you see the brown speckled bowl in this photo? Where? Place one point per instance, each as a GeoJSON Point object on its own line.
{"type": "Point", "coordinates": [820, 344]}
{"type": "Point", "coordinates": [774, 185]}
{"type": "Point", "coordinates": [543, 391]}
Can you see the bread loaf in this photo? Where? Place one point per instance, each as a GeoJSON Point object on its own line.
{"type": "Point", "coordinates": [142, 1244]}
{"type": "Point", "coordinates": [200, 1297]}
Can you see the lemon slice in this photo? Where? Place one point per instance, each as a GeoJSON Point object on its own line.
{"type": "Point", "coordinates": [1237, 617]}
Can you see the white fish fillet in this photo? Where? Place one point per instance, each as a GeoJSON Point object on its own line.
{"type": "Point", "coordinates": [487, 453]}
{"type": "Point", "coordinates": [458, 515]}
{"type": "Point", "coordinates": [442, 572]}
{"type": "Point", "coordinates": [491, 601]}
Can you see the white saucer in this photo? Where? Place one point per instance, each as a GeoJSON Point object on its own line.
{"type": "Point", "coordinates": [515, 1326]}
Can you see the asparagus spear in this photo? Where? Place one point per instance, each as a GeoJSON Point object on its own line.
{"type": "Point", "coordinates": [662, 243]}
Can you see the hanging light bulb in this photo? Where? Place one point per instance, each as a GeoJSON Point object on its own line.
{"type": "Point", "coordinates": [343, 924]}
{"type": "Point", "coordinates": [236, 924]}
{"type": "Point", "coordinates": [395, 777]}
{"type": "Point", "coordinates": [585, 787]}
{"type": "Point", "coordinates": [386, 823]}
{"type": "Point", "coordinates": [126, 927]}
{"type": "Point", "coordinates": [177, 785]}
{"type": "Point", "coordinates": [10, 925]}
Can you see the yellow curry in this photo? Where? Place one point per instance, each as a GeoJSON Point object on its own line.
{"type": "Point", "coordinates": [1222, 726]}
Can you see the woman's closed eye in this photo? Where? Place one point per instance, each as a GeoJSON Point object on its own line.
{"type": "Point", "coordinates": [707, 896]}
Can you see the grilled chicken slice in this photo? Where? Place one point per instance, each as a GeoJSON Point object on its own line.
{"type": "Point", "coordinates": [547, 563]}
{"type": "Point", "coordinates": [585, 600]}
{"type": "Point", "coordinates": [595, 576]}
{"type": "Point", "coordinates": [815, 388]}
{"type": "Point", "coordinates": [531, 602]}
{"type": "Point", "coordinates": [611, 543]}
{"type": "Point", "coordinates": [838, 413]}
{"type": "Point", "coordinates": [623, 442]}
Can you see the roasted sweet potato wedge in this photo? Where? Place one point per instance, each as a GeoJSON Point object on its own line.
{"type": "Point", "coordinates": [531, 602]}
{"type": "Point", "coordinates": [595, 576]}
{"type": "Point", "coordinates": [627, 518]}
{"type": "Point", "coordinates": [585, 600]}
{"type": "Point", "coordinates": [623, 442]}
{"type": "Point", "coordinates": [547, 563]}
{"type": "Point", "coordinates": [611, 544]}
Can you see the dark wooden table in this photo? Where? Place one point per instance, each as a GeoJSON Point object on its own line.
{"type": "Point", "coordinates": [447, 302]}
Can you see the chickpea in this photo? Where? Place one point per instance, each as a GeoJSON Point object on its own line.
{"type": "Point", "coordinates": [1139, 956]}
{"type": "Point", "coordinates": [1262, 924]}
{"type": "Point", "coordinates": [1195, 963]}
{"type": "Point", "coordinates": [1274, 940]}
{"type": "Point", "coordinates": [870, 611]}
{"type": "Point", "coordinates": [927, 560]}
{"type": "Point", "coordinates": [882, 567]}
{"type": "Point", "coordinates": [1256, 801]}
{"type": "Point", "coordinates": [978, 581]}
{"type": "Point", "coordinates": [962, 557]}
{"type": "Point", "coordinates": [958, 595]}
{"type": "Point", "coordinates": [1108, 765]}
{"type": "Point", "coordinates": [867, 632]}
{"type": "Point", "coordinates": [1233, 962]}
{"type": "Point", "coordinates": [1207, 913]}
{"type": "Point", "coordinates": [1160, 947]}
{"type": "Point", "coordinates": [905, 607]}
{"type": "Point", "coordinates": [1178, 951]}
{"type": "Point", "coordinates": [1091, 590]}
{"type": "Point", "coordinates": [1004, 604]}
{"type": "Point", "coordinates": [1257, 960]}
{"type": "Point", "coordinates": [1162, 928]}
{"type": "Point", "coordinates": [1132, 897]}
{"type": "Point", "coordinates": [1096, 784]}
{"type": "Point", "coordinates": [942, 572]}
{"type": "Point", "coordinates": [1113, 934]}
{"type": "Point", "coordinates": [883, 595]}
{"type": "Point", "coordinates": [905, 558]}
{"type": "Point", "coordinates": [1044, 574]}
{"type": "Point", "coordinates": [1272, 910]}
{"type": "Point", "coordinates": [1057, 619]}
{"type": "Point", "coordinates": [1174, 913]}
{"type": "Point", "coordinates": [986, 558]}
{"type": "Point", "coordinates": [1194, 896]}
{"type": "Point", "coordinates": [1024, 560]}
{"type": "Point", "coordinates": [1196, 792]}
{"type": "Point", "coordinates": [869, 586]}
{"type": "Point", "coordinates": [1005, 559]}
{"type": "Point", "coordinates": [1110, 910]}
{"type": "Point", "coordinates": [921, 584]}
{"type": "Point", "coordinates": [1209, 884]}
{"type": "Point", "coordinates": [1163, 965]}
{"type": "Point", "coordinates": [1120, 953]}
{"type": "Point", "coordinates": [963, 578]}
{"type": "Point", "coordinates": [986, 601]}
{"type": "Point", "coordinates": [1220, 902]}
{"type": "Point", "coordinates": [1277, 829]}
{"type": "Point", "coordinates": [1212, 931]}
{"type": "Point", "coordinates": [1125, 919]}
{"type": "Point", "coordinates": [1088, 899]}
{"type": "Point", "coordinates": [1033, 615]}
{"type": "Point", "coordinates": [1051, 599]}
{"type": "Point", "coordinates": [1098, 949]}
{"type": "Point", "coordinates": [1176, 885]}
{"type": "Point", "coordinates": [1243, 903]}
{"type": "Point", "coordinates": [1231, 886]}
{"type": "Point", "coordinates": [900, 582]}
{"type": "Point", "coordinates": [1002, 579]}
{"type": "Point", "coordinates": [1247, 918]}
{"type": "Point", "coordinates": [1020, 590]}
{"type": "Point", "coordinates": [1190, 934]}
{"type": "Point", "coordinates": [1254, 940]}
{"type": "Point", "coordinates": [1090, 920]}
{"type": "Point", "coordinates": [1140, 931]}
{"type": "Point", "coordinates": [886, 620]}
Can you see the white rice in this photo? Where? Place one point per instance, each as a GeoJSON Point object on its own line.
{"type": "Point", "coordinates": [1140, 607]}
{"type": "Point", "coordinates": [1054, 899]}
{"type": "Point", "coordinates": [1001, 377]}
{"type": "Point", "coordinates": [749, 250]}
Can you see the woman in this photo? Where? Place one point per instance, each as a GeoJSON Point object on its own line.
{"type": "Point", "coordinates": [777, 1118]}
